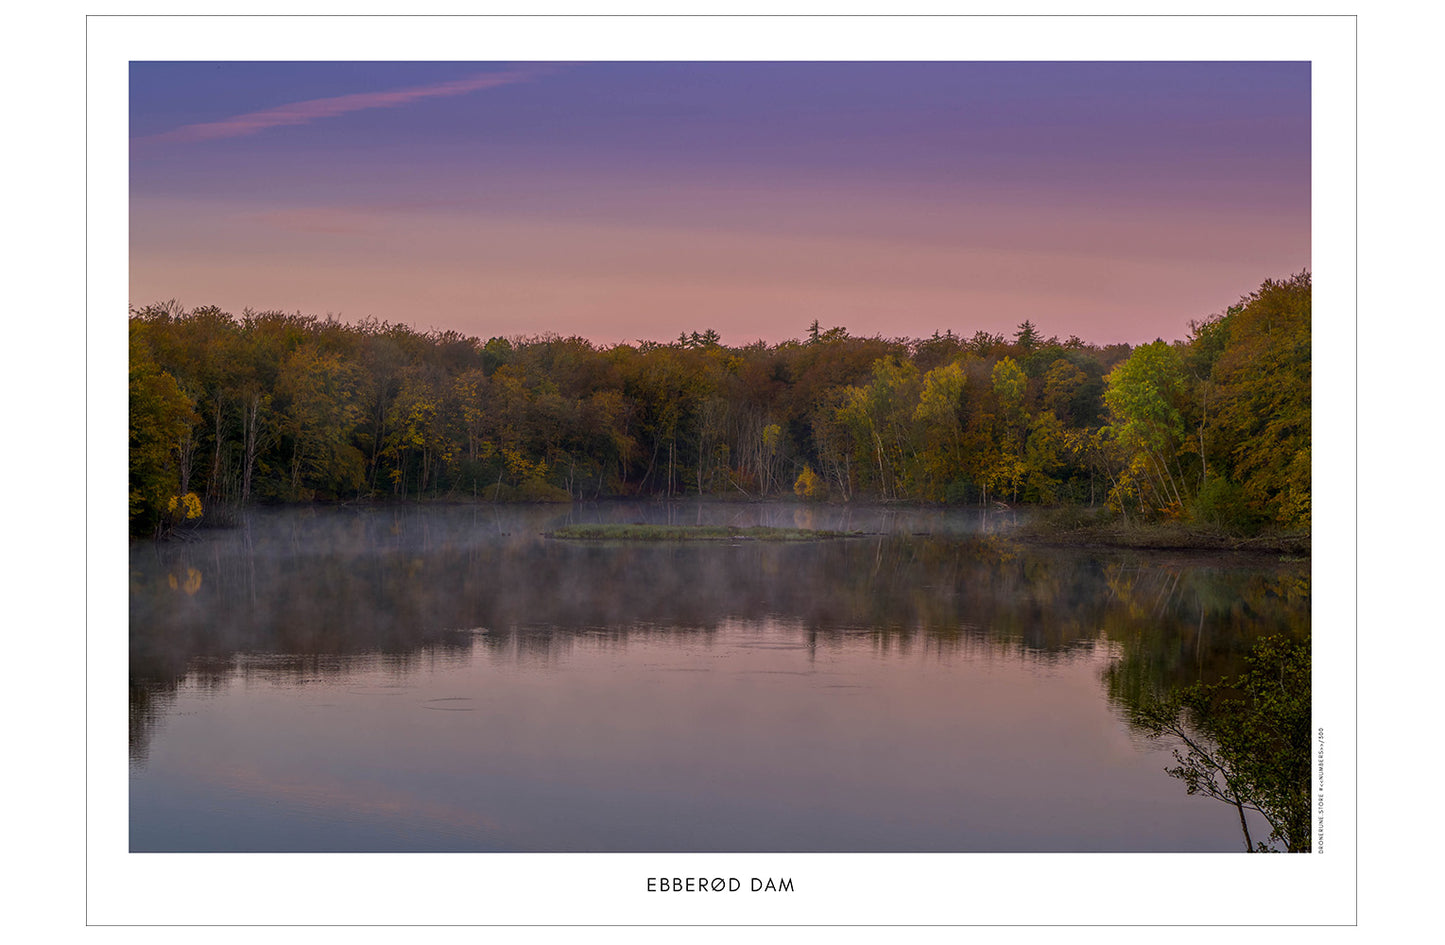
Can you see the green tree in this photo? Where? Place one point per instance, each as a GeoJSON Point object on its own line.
{"type": "Point", "coordinates": [879, 419]}
{"type": "Point", "coordinates": [1207, 341]}
{"type": "Point", "coordinates": [1146, 397]}
{"type": "Point", "coordinates": [1007, 470]}
{"type": "Point", "coordinates": [1246, 741]}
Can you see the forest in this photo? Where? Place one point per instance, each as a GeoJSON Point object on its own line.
{"type": "Point", "coordinates": [271, 407]}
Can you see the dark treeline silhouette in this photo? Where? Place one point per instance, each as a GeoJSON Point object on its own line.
{"type": "Point", "coordinates": [226, 411]}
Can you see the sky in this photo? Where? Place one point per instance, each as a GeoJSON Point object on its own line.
{"type": "Point", "coordinates": [627, 201]}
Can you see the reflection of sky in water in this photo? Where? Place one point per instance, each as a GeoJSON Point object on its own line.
{"type": "Point", "coordinates": [425, 683]}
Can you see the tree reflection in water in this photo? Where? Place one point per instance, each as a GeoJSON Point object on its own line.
{"type": "Point", "coordinates": [313, 595]}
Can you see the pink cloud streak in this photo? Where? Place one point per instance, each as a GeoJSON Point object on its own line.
{"type": "Point", "coordinates": [301, 113]}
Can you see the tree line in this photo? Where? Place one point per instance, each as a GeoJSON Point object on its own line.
{"type": "Point", "coordinates": [269, 406]}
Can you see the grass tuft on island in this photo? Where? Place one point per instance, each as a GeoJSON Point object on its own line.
{"type": "Point", "coordinates": [639, 532]}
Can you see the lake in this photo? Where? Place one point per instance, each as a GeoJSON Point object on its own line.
{"type": "Point", "coordinates": [447, 678]}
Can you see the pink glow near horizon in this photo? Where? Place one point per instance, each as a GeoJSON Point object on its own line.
{"type": "Point", "coordinates": [637, 201]}
{"type": "Point", "coordinates": [1070, 273]}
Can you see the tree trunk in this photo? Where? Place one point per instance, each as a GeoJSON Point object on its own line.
{"type": "Point", "coordinates": [185, 450]}
{"type": "Point", "coordinates": [213, 484]}
{"type": "Point", "coordinates": [251, 419]}
{"type": "Point", "coordinates": [1244, 825]}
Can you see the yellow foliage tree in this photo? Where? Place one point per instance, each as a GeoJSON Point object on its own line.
{"type": "Point", "coordinates": [808, 485]}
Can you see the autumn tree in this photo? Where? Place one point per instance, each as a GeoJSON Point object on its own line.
{"type": "Point", "coordinates": [1263, 379]}
{"type": "Point", "coordinates": [320, 410]}
{"type": "Point", "coordinates": [161, 420]}
{"type": "Point", "coordinates": [419, 444]}
{"type": "Point", "coordinates": [276, 405]}
{"type": "Point", "coordinates": [939, 415]}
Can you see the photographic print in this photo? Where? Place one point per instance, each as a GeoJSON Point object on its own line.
{"type": "Point", "coordinates": [720, 456]}
{"type": "Point", "coordinates": [725, 485]}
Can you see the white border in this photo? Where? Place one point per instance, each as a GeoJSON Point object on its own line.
{"type": "Point", "coordinates": [124, 888]}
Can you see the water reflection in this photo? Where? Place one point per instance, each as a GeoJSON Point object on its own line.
{"type": "Point", "coordinates": [471, 613]}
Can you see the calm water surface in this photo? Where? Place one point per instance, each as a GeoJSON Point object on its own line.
{"type": "Point", "coordinates": [448, 679]}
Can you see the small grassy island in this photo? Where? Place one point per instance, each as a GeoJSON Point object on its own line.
{"type": "Point", "coordinates": [640, 532]}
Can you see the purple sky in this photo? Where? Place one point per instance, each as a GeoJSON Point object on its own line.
{"type": "Point", "coordinates": [634, 200]}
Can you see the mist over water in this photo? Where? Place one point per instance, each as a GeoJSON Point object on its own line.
{"type": "Point", "coordinates": [448, 678]}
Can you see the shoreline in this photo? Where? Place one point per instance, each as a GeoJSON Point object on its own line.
{"type": "Point", "coordinates": [1062, 527]}
{"type": "Point", "coordinates": [1151, 537]}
